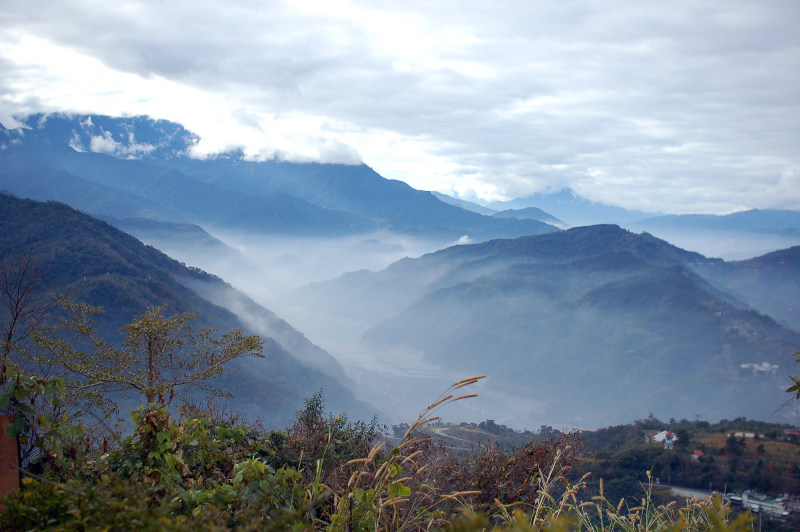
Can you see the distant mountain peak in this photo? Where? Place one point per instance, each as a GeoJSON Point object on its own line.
{"type": "Point", "coordinates": [574, 209]}
{"type": "Point", "coordinates": [133, 137]}
{"type": "Point", "coordinates": [227, 190]}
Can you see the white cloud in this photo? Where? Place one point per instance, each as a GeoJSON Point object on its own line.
{"type": "Point", "coordinates": [680, 107]}
{"type": "Point", "coordinates": [103, 143]}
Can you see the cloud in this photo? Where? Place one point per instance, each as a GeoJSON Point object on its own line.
{"type": "Point", "coordinates": [105, 143]}
{"type": "Point", "coordinates": [679, 107]}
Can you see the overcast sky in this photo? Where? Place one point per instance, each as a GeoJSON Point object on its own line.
{"type": "Point", "coordinates": [673, 106]}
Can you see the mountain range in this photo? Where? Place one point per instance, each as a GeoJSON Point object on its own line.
{"type": "Point", "coordinates": [141, 168]}
{"type": "Point", "coordinates": [591, 325]}
{"type": "Point", "coordinates": [93, 262]}
{"type": "Point", "coordinates": [593, 320]}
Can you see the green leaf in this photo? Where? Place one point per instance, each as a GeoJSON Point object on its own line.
{"type": "Point", "coordinates": [398, 489]}
{"type": "Point", "coordinates": [796, 388]}
{"type": "Point", "coordinates": [15, 427]}
{"type": "Point", "coordinates": [394, 469]}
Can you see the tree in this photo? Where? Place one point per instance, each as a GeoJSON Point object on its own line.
{"type": "Point", "coordinates": [159, 358]}
{"type": "Point", "coordinates": [682, 436]}
{"type": "Point", "coordinates": [23, 306]}
{"type": "Point", "coordinates": [734, 446]}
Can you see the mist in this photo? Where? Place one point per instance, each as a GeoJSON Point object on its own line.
{"type": "Point", "coordinates": [726, 245]}
{"type": "Point", "coordinates": [404, 331]}
{"type": "Point", "coordinates": [276, 272]}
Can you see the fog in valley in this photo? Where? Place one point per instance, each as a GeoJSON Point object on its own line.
{"type": "Point", "coordinates": [324, 288]}
{"type": "Point", "coordinates": [727, 245]}
{"type": "Point", "coordinates": [271, 270]}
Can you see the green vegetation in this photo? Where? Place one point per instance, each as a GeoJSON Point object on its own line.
{"type": "Point", "coordinates": [324, 473]}
{"type": "Point", "coordinates": [160, 356]}
{"type": "Point", "coordinates": [71, 253]}
{"type": "Point", "coordinates": [199, 466]}
{"type": "Point", "coordinates": [733, 455]}
{"type": "Point", "coordinates": [195, 468]}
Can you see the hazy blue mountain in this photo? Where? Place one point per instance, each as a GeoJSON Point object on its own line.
{"type": "Point", "coordinates": [26, 175]}
{"type": "Point", "coordinates": [737, 236]}
{"type": "Point", "coordinates": [573, 209]}
{"type": "Point", "coordinates": [754, 220]}
{"type": "Point", "coordinates": [163, 235]}
{"type": "Point", "coordinates": [595, 320]}
{"type": "Point", "coordinates": [532, 213]}
{"type": "Point", "coordinates": [165, 189]}
{"type": "Point", "coordinates": [150, 159]}
{"type": "Point", "coordinates": [358, 189]}
{"type": "Point", "coordinates": [769, 284]}
{"type": "Point", "coordinates": [98, 264]}
{"type": "Point", "coordinates": [378, 295]}
{"type": "Point", "coordinates": [467, 205]}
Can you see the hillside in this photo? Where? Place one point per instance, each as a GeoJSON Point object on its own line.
{"type": "Point", "coordinates": [769, 284]}
{"type": "Point", "coordinates": [533, 213]}
{"type": "Point", "coordinates": [96, 263]}
{"type": "Point", "coordinates": [595, 322]}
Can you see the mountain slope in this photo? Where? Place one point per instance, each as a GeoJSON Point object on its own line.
{"type": "Point", "coordinates": [573, 209]}
{"type": "Point", "coordinates": [594, 321]}
{"type": "Point", "coordinates": [152, 159]}
{"type": "Point", "coordinates": [165, 190]}
{"type": "Point", "coordinates": [533, 213]}
{"type": "Point", "coordinates": [769, 284]}
{"type": "Point", "coordinates": [754, 220]}
{"type": "Point", "coordinates": [96, 263]}
{"type": "Point", "coordinates": [736, 236]}
{"type": "Point", "coordinates": [357, 189]}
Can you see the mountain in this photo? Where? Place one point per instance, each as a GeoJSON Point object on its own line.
{"type": "Point", "coordinates": [595, 322]}
{"type": "Point", "coordinates": [572, 208]}
{"type": "Point", "coordinates": [392, 204]}
{"type": "Point", "coordinates": [531, 213]}
{"type": "Point", "coordinates": [754, 220]}
{"type": "Point", "coordinates": [152, 161]}
{"type": "Point", "coordinates": [769, 284]}
{"type": "Point", "coordinates": [96, 263]}
{"type": "Point", "coordinates": [162, 235]}
{"type": "Point", "coordinates": [467, 205]}
{"type": "Point", "coordinates": [160, 189]}
{"type": "Point", "coordinates": [736, 236]}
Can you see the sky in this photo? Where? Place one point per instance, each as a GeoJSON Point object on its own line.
{"type": "Point", "coordinates": [677, 107]}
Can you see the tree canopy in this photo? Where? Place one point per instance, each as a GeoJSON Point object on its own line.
{"type": "Point", "coordinates": [160, 356]}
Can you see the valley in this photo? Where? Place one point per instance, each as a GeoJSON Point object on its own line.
{"type": "Point", "coordinates": [396, 292]}
{"type": "Point", "coordinates": [442, 266]}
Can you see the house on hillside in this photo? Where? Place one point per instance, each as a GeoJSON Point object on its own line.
{"type": "Point", "coordinates": [697, 455]}
{"type": "Point", "coordinates": [667, 437]}
{"type": "Point", "coordinates": [648, 435]}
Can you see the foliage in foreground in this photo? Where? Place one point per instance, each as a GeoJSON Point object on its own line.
{"type": "Point", "coordinates": [324, 473]}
